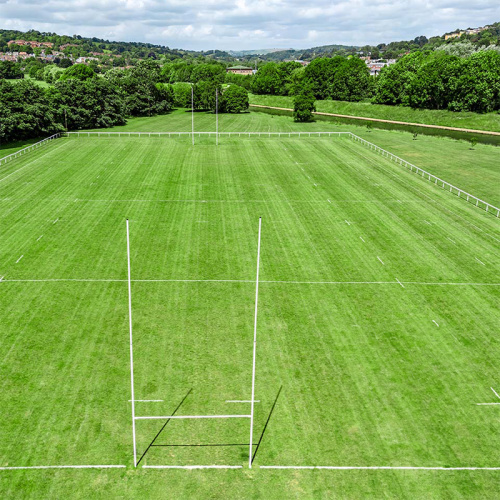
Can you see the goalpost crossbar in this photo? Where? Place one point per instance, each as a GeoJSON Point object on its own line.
{"type": "Point", "coordinates": [180, 417]}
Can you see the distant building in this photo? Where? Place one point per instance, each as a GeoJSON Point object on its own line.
{"type": "Point", "coordinates": [240, 70]}
{"type": "Point", "coordinates": [453, 35]}
{"type": "Point", "coordinates": [29, 43]}
{"type": "Point", "coordinates": [304, 63]}
{"type": "Point", "coordinates": [85, 60]}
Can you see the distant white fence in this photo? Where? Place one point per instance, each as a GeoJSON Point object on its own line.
{"type": "Point", "coordinates": [207, 134]}
{"type": "Point", "coordinates": [431, 178]}
{"type": "Point", "coordinates": [28, 149]}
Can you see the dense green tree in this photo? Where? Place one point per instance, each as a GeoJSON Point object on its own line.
{"type": "Point", "coordinates": [351, 81]}
{"type": "Point", "coordinates": [234, 99]}
{"type": "Point", "coordinates": [215, 72]}
{"type": "Point", "coordinates": [10, 70]}
{"type": "Point", "coordinates": [182, 94]}
{"type": "Point", "coordinates": [78, 72]}
{"type": "Point", "coordinates": [478, 86]}
{"type": "Point", "coordinates": [303, 107]}
{"type": "Point", "coordinates": [393, 84]}
{"type": "Point", "coordinates": [25, 112]}
{"type": "Point", "coordinates": [88, 104]}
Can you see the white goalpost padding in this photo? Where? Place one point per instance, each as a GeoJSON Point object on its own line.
{"type": "Point", "coordinates": [184, 417]}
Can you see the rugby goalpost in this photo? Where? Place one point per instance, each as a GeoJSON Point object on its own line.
{"type": "Point", "coordinates": [135, 418]}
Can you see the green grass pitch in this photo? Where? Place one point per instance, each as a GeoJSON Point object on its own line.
{"type": "Point", "coordinates": [377, 327]}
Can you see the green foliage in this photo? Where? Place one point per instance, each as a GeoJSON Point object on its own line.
{"type": "Point", "coordinates": [90, 103]}
{"type": "Point", "coordinates": [303, 107]}
{"type": "Point", "coordinates": [25, 112]}
{"type": "Point", "coordinates": [234, 99]}
{"type": "Point", "coordinates": [204, 94]}
{"type": "Point", "coordinates": [244, 81]}
{"type": "Point", "coordinates": [439, 80]}
{"type": "Point", "coordinates": [339, 78]}
{"type": "Point", "coordinates": [78, 72]}
{"type": "Point", "coordinates": [274, 78]}
{"type": "Point", "coordinates": [10, 70]}
{"type": "Point", "coordinates": [204, 72]}
{"type": "Point", "coordinates": [182, 94]}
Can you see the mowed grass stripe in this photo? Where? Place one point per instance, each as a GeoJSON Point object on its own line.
{"type": "Point", "coordinates": [367, 376]}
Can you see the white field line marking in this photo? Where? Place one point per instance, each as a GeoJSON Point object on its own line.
{"type": "Point", "coordinates": [66, 467]}
{"type": "Point", "coordinates": [327, 467]}
{"type": "Point", "coordinates": [190, 417]}
{"type": "Point", "coordinates": [39, 238]}
{"type": "Point", "coordinates": [400, 283]}
{"type": "Point", "coordinates": [147, 400]}
{"type": "Point", "coordinates": [329, 201]}
{"type": "Point", "coordinates": [487, 404]}
{"type": "Point", "coordinates": [56, 220]}
{"type": "Point", "coordinates": [361, 238]}
{"type": "Point", "coordinates": [480, 262]}
{"type": "Point", "coordinates": [1, 278]}
{"type": "Point", "coordinates": [435, 323]}
{"type": "Point", "coordinates": [19, 259]}
{"type": "Point", "coordinates": [451, 240]}
{"type": "Point", "coordinates": [30, 163]}
{"type": "Point", "coordinates": [494, 392]}
{"type": "Point", "coordinates": [192, 467]}
{"type": "Point", "coordinates": [241, 401]}
{"type": "Point", "coordinates": [284, 282]}
{"type": "Point", "coordinates": [380, 260]}
{"type": "Point", "coordinates": [347, 222]}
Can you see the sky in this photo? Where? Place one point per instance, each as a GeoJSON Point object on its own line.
{"type": "Point", "coordinates": [248, 24]}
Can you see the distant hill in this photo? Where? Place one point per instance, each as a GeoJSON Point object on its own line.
{"type": "Point", "coordinates": [129, 52]}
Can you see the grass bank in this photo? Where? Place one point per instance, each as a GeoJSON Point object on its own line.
{"type": "Point", "coordinates": [443, 118]}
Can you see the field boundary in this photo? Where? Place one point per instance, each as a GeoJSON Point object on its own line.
{"type": "Point", "coordinates": [28, 149]}
{"type": "Point", "coordinates": [487, 207]}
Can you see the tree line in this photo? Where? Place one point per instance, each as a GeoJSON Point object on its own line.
{"type": "Point", "coordinates": [80, 99]}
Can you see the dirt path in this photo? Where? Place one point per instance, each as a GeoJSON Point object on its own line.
{"type": "Point", "coordinates": [380, 120]}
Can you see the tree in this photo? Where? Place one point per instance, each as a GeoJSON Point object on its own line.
{"type": "Point", "coordinates": [78, 72]}
{"type": "Point", "coordinates": [10, 70]}
{"type": "Point", "coordinates": [393, 84]}
{"type": "Point", "coordinates": [303, 107]}
{"type": "Point", "coordinates": [182, 94]}
{"type": "Point", "coordinates": [351, 81]}
{"type": "Point", "coordinates": [89, 104]}
{"type": "Point", "coordinates": [234, 99]}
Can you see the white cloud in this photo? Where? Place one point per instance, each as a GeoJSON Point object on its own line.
{"type": "Point", "coordinates": [245, 24]}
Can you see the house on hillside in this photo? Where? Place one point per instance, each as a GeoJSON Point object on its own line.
{"type": "Point", "coordinates": [239, 70]}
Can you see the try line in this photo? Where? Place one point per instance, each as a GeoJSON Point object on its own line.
{"type": "Point", "coordinates": [285, 282]}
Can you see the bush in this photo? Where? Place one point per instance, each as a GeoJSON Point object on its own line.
{"type": "Point", "coordinates": [182, 94]}
{"type": "Point", "coordinates": [303, 107]}
{"type": "Point", "coordinates": [78, 72]}
{"type": "Point", "coordinates": [10, 71]}
{"type": "Point", "coordinates": [234, 100]}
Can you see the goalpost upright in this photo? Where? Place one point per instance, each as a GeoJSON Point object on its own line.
{"type": "Point", "coordinates": [254, 348]}
{"type": "Point", "coordinates": [131, 347]}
